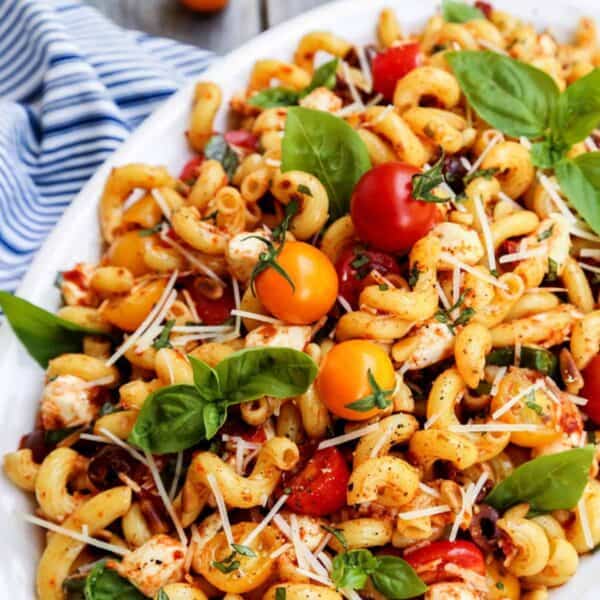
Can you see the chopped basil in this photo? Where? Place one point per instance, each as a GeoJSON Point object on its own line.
{"type": "Point", "coordinates": [162, 341]}
{"type": "Point", "coordinates": [218, 149]}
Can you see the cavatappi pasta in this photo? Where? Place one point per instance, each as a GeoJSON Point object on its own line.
{"type": "Point", "coordinates": [266, 391]}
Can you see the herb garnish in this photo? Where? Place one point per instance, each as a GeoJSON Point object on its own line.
{"type": "Point", "coordinates": [378, 398]}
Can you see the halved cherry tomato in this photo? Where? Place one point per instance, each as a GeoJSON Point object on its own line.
{"type": "Point", "coordinates": [344, 377]}
{"type": "Point", "coordinates": [315, 285]}
{"type": "Point", "coordinates": [242, 138]}
{"type": "Point", "coordinates": [188, 172]}
{"type": "Point", "coordinates": [211, 312]}
{"type": "Point", "coordinates": [320, 488]}
{"type": "Point", "coordinates": [392, 65]}
{"type": "Point", "coordinates": [429, 561]}
{"type": "Point", "coordinates": [591, 389]}
{"type": "Point", "coordinates": [384, 212]}
{"type": "Point", "coordinates": [354, 266]}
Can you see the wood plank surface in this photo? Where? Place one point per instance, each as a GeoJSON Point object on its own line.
{"type": "Point", "coordinates": [220, 32]}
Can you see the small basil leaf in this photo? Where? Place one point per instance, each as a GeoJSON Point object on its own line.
{"type": "Point", "coordinates": [459, 12]}
{"type": "Point", "coordinates": [214, 416]}
{"type": "Point", "coordinates": [43, 334]}
{"type": "Point", "coordinates": [172, 419]}
{"type": "Point", "coordinates": [244, 550]}
{"type": "Point", "coordinates": [162, 595]}
{"type": "Point", "coordinates": [256, 372]}
{"type": "Point", "coordinates": [206, 379]}
{"type": "Point", "coordinates": [537, 359]}
{"type": "Point", "coordinates": [324, 76]}
{"type": "Point", "coordinates": [547, 483]}
{"type": "Point", "coordinates": [218, 149]}
{"type": "Point", "coordinates": [274, 97]}
{"type": "Point", "coordinates": [579, 179]}
{"type": "Point", "coordinates": [162, 341]}
{"type": "Point", "coordinates": [396, 579]}
{"type": "Point", "coordinates": [425, 183]}
{"type": "Point", "coordinates": [328, 148]}
{"type": "Point", "coordinates": [74, 587]}
{"type": "Point", "coordinates": [103, 583]}
{"type": "Point", "coordinates": [511, 96]}
{"type": "Point", "coordinates": [548, 153]}
{"type": "Point", "coordinates": [338, 534]}
{"type": "Point", "coordinates": [351, 569]}
{"type": "Point", "coordinates": [280, 593]}
{"type": "Point", "coordinates": [579, 109]}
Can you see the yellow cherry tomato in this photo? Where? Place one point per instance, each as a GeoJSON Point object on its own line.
{"type": "Point", "coordinates": [128, 312]}
{"type": "Point", "coordinates": [252, 571]}
{"type": "Point", "coordinates": [315, 285]}
{"type": "Point", "coordinates": [354, 371]}
{"type": "Point", "coordinates": [204, 5]}
{"type": "Point", "coordinates": [128, 251]}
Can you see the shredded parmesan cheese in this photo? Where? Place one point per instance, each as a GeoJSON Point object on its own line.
{"type": "Point", "coordinates": [353, 91]}
{"type": "Point", "coordinates": [98, 382]}
{"type": "Point", "coordinates": [485, 152]}
{"type": "Point", "coordinates": [154, 330]}
{"type": "Point", "coordinates": [166, 501]}
{"type": "Point", "coordinates": [191, 305]}
{"type": "Point", "coordinates": [590, 253]}
{"type": "Point", "coordinates": [484, 427]}
{"type": "Point", "coordinates": [434, 417]}
{"type": "Point", "coordinates": [110, 438]}
{"type": "Point", "coordinates": [466, 163]}
{"type": "Point", "coordinates": [364, 67]}
{"type": "Point", "coordinates": [455, 284]}
{"type": "Point", "coordinates": [80, 537]}
{"type": "Point", "coordinates": [176, 475]}
{"type": "Point", "coordinates": [162, 203]}
{"type": "Point", "coordinates": [268, 518]}
{"type": "Point", "coordinates": [489, 46]}
{"type": "Point", "coordinates": [446, 257]}
{"type": "Point", "coordinates": [590, 144]}
{"type": "Point", "coordinates": [429, 490]}
{"type": "Point", "coordinates": [517, 256]}
{"type": "Point", "coordinates": [425, 512]}
{"type": "Point", "coordinates": [555, 196]}
{"type": "Point", "coordinates": [348, 437]}
{"type": "Point", "coordinates": [146, 323]}
{"type": "Point", "coordinates": [344, 303]}
{"type": "Point", "coordinates": [382, 441]}
{"type": "Point", "coordinates": [590, 268]}
{"type": "Point", "coordinates": [255, 316]}
{"type": "Point", "coordinates": [381, 116]}
{"type": "Point", "coordinates": [349, 110]}
{"type": "Point", "coordinates": [584, 234]}
{"type": "Point", "coordinates": [518, 348]}
{"type": "Point", "coordinates": [281, 550]}
{"type": "Point", "coordinates": [525, 142]}
{"type": "Point", "coordinates": [442, 295]}
{"type": "Point", "coordinates": [500, 373]}
{"type": "Point", "coordinates": [221, 507]}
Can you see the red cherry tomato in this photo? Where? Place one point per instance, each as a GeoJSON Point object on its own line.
{"type": "Point", "coordinates": [354, 266]}
{"type": "Point", "coordinates": [385, 214]}
{"type": "Point", "coordinates": [189, 169]}
{"type": "Point", "coordinates": [392, 65]}
{"type": "Point", "coordinates": [242, 138]}
{"type": "Point", "coordinates": [486, 8]}
{"type": "Point", "coordinates": [591, 389]}
{"type": "Point", "coordinates": [212, 312]}
{"type": "Point", "coordinates": [320, 488]}
{"type": "Point", "coordinates": [464, 555]}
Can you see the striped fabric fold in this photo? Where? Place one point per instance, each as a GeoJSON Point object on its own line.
{"type": "Point", "coordinates": [72, 87]}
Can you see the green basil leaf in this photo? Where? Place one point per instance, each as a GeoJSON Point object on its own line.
{"type": "Point", "coordinates": [351, 569]}
{"type": "Point", "coordinates": [552, 482]}
{"type": "Point", "coordinates": [511, 96]}
{"type": "Point", "coordinates": [459, 12]}
{"type": "Point", "coordinates": [256, 372]}
{"type": "Point", "coordinates": [43, 334]}
{"type": "Point", "coordinates": [548, 153]}
{"type": "Point", "coordinates": [74, 587]}
{"type": "Point", "coordinates": [206, 380]}
{"type": "Point", "coordinates": [324, 76]}
{"type": "Point", "coordinates": [328, 148]}
{"type": "Point", "coordinates": [280, 593]}
{"type": "Point", "coordinates": [103, 583]}
{"type": "Point", "coordinates": [162, 341]}
{"type": "Point", "coordinates": [172, 419]}
{"type": "Point", "coordinates": [162, 595]}
{"type": "Point", "coordinates": [338, 534]}
{"type": "Point", "coordinates": [425, 183]}
{"type": "Point", "coordinates": [537, 359]}
{"type": "Point", "coordinates": [396, 579]}
{"type": "Point", "coordinates": [218, 149]}
{"type": "Point", "coordinates": [275, 97]}
{"type": "Point", "coordinates": [214, 416]}
{"type": "Point", "coordinates": [579, 179]}
{"type": "Point", "coordinates": [579, 109]}
{"type": "Point", "coordinates": [244, 550]}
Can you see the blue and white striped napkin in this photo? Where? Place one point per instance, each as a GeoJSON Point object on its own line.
{"type": "Point", "coordinates": [72, 87]}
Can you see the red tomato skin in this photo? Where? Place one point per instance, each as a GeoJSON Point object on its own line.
{"type": "Point", "coordinates": [320, 488]}
{"type": "Point", "coordinates": [465, 555]}
{"type": "Point", "coordinates": [242, 138]}
{"type": "Point", "coordinates": [591, 389]}
{"type": "Point", "coordinates": [353, 280]}
{"type": "Point", "coordinates": [384, 212]}
{"type": "Point", "coordinates": [393, 64]}
{"type": "Point", "coordinates": [189, 169]}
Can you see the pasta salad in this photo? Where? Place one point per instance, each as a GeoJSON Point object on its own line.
{"type": "Point", "coordinates": [352, 349]}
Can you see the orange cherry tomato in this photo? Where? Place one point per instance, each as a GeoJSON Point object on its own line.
{"type": "Point", "coordinates": [128, 251]}
{"type": "Point", "coordinates": [315, 285]}
{"type": "Point", "coordinates": [128, 312]}
{"type": "Point", "coordinates": [204, 5]}
{"type": "Point", "coordinates": [346, 376]}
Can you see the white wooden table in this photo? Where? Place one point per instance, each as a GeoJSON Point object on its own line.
{"type": "Point", "coordinates": [220, 32]}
